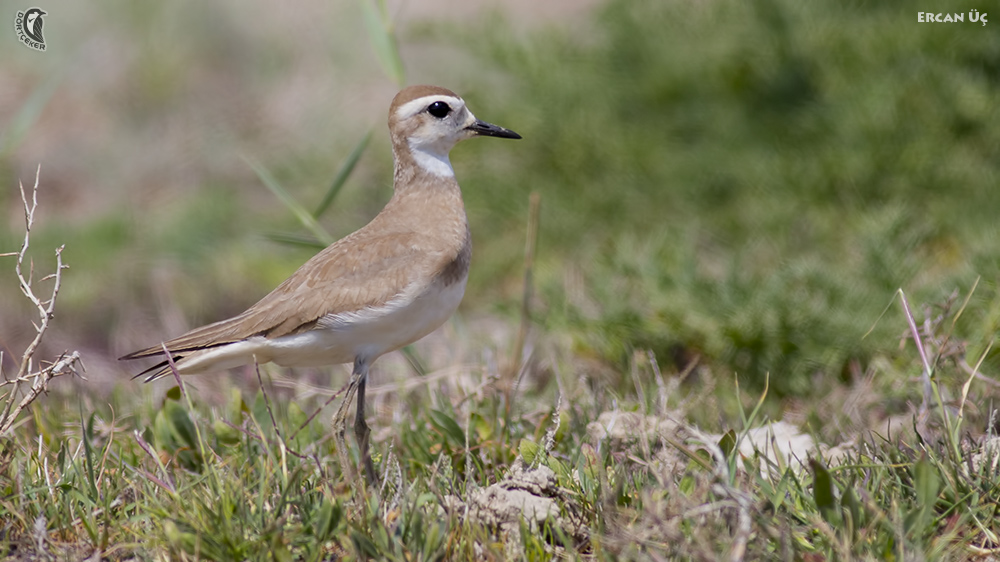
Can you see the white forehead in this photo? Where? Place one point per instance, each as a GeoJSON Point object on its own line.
{"type": "Point", "coordinates": [415, 106]}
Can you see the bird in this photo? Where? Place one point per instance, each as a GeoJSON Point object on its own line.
{"type": "Point", "coordinates": [380, 288]}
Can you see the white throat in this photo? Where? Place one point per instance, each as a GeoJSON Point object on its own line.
{"type": "Point", "coordinates": [432, 162]}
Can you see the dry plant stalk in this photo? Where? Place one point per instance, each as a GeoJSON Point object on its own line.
{"type": "Point", "coordinates": [36, 382]}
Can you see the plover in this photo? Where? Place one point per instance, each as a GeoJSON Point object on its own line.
{"type": "Point", "coordinates": [376, 290]}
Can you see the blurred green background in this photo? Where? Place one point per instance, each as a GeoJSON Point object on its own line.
{"type": "Point", "coordinates": [741, 183]}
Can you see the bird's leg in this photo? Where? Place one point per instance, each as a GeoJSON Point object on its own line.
{"type": "Point", "coordinates": [340, 418]}
{"type": "Point", "coordinates": [361, 431]}
{"type": "Point", "coordinates": [359, 379]}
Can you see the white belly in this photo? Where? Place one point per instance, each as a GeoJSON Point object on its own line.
{"type": "Point", "coordinates": [341, 338]}
{"type": "Point", "coordinates": [369, 333]}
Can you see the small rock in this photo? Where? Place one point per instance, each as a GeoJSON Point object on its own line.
{"type": "Point", "coordinates": [626, 428]}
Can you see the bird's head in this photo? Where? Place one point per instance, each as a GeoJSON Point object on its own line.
{"type": "Point", "coordinates": [429, 120]}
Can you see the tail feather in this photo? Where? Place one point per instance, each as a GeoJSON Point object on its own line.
{"type": "Point", "coordinates": [220, 345]}
{"type": "Point", "coordinates": [216, 357]}
{"type": "Point", "coordinates": [205, 337]}
{"type": "Point", "coordinates": [157, 371]}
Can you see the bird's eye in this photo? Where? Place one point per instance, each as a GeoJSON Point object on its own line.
{"type": "Point", "coordinates": [439, 109]}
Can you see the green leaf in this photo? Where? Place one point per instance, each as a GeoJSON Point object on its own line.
{"type": "Point", "coordinates": [432, 540]}
{"type": "Point", "coordinates": [328, 519]}
{"type": "Point", "coordinates": [296, 419]}
{"type": "Point", "coordinates": [823, 493]}
{"type": "Point", "coordinates": [482, 428]}
{"type": "Point", "coordinates": [564, 424]}
{"type": "Point", "coordinates": [181, 425]}
{"type": "Point", "coordinates": [364, 545]}
{"type": "Point", "coordinates": [728, 443]}
{"type": "Point", "coordinates": [852, 510]}
{"type": "Point", "coordinates": [261, 415]}
{"type": "Point", "coordinates": [425, 498]}
{"type": "Point", "coordinates": [448, 426]}
{"type": "Point", "coordinates": [528, 451]}
{"type": "Point", "coordinates": [562, 471]}
{"type": "Point", "coordinates": [175, 433]}
{"type": "Point", "coordinates": [225, 434]}
{"type": "Point", "coordinates": [174, 393]}
{"type": "Point", "coordinates": [927, 483]}
{"type": "Point", "coordinates": [778, 494]}
{"type": "Point", "coordinates": [161, 432]}
{"type": "Point", "coordinates": [236, 405]}
{"type": "Point", "coordinates": [61, 457]}
{"type": "Point", "coordinates": [280, 552]}
{"type": "Point", "coordinates": [296, 416]}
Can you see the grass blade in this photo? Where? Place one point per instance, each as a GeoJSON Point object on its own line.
{"type": "Point", "coordinates": [299, 211]}
{"type": "Point", "coordinates": [448, 426]}
{"type": "Point", "coordinates": [293, 239]}
{"type": "Point", "coordinates": [926, 485]}
{"type": "Point", "coordinates": [383, 38]}
{"type": "Point", "coordinates": [345, 172]}
{"type": "Point", "coordinates": [88, 432]}
{"type": "Point", "coordinates": [26, 116]}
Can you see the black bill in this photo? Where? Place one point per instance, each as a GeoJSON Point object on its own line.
{"type": "Point", "coordinates": [491, 130]}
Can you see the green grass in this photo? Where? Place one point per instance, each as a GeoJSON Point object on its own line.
{"type": "Point", "coordinates": [736, 190]}
{"type": "Point", "coordinates": [750, 181]}
{"type": "Point", "coordinates": [242, 479]}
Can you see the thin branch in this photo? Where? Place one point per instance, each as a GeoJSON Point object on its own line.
{"type": "Point", "coordinates": [67, 362]}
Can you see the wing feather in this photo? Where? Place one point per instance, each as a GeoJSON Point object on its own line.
{"type": "Point", "coordinates": [359, 271]}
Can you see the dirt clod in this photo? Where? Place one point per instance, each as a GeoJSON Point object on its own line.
{"type": "Point", "coordinates": [532, 495]}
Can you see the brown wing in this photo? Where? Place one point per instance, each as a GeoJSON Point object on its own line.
{"type": "Point", "coordinates": [361, 270]}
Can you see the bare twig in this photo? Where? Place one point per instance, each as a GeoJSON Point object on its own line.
{"type": "Point", "coordinates": [40, 385]}
{"type": "Point", "coordinates": [67, 362]}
